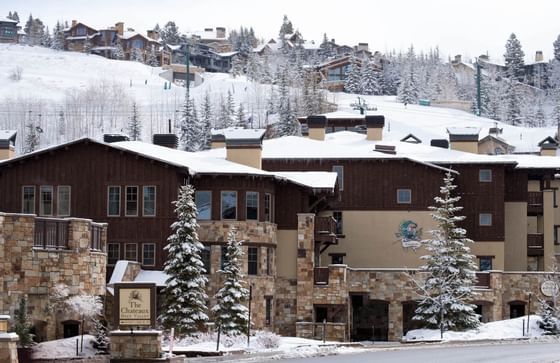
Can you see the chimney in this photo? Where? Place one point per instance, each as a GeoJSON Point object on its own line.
{"type": "Point", "coordinates": [110, 138]}
{"type": "Point", "coordinates": [363, 46]}
{"type": "Point", "coordinates": [538, 56]}
{"type": "Point", "coordinates": [375, 124]}
{"type": "Point", "coordinates": [548, 147]}
{"type": "Point", "coordinates": [7, 144]}
{"type": "Point", "coordinates": [316, 127]}
{"type": "Point", "coordinates": [244, 146]}
{"type": "Point", "coordinates": [442, 143]}
{"type": "Point", "coordinates": [458, 59]}
{"type": "Point", "coordinates": [74, 22]}
{"type": "Point", "coordinates": [153, 34]}
{"type": "Point", "coordinates": [120, 28]}
{"type": "Point", "coordinates": [220, 32]}
{"type": "Point", "coordinates": [166, 140]}
{"type": "Point", "coordinates": [464, 139]}
{"type": "Point", "coordinates": [218, 139]}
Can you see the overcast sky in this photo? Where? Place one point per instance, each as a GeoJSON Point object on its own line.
{"type": "Point", "coordinates": [468, 27]}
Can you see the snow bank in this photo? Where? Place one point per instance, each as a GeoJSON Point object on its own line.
{"type": "Point", "coordinates": [496, 330]}
{"type": "Point", "coordinates": [64, 348]}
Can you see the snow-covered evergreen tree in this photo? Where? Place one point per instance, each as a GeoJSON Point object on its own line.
{"type": "Point", "coordinates": [46, 39]}
{"type": "Point", "coordinates": [352, 83]}
{"type": "Point", "coordinates": [87, 45]}
{"type": "Point", "coordinates": [184, 306]}
{"type": "Point", "coordinates": [285, 28]}
{"type": "Point", "coordinates": [408, 88]}
{"type": "Point", "coordinates": [206, 121]}
{"type": "Point", "coordinates": [287, 123]}
{"type": "Point", "coordinates": [58, 37]}
{"type": "Point", "coordinates": [230, 312]}
{"type": "Point", "coordinates": [513, 103]}
{"type": "Point", "coordinates": [254, 68]}
{"type": "Point", "coordinates": [449, 270]}
{"type": "Point", "coordinates": [135, 124]}
{"type": "Point", "coordinates": [549, 323]}
{"type": "Point", "coordinates": [226, 116]}
{"type": "Point", "coordinates": [118, 53]}
{"type": "Point", "coordinates": [22, 325]}
{"type": "Point", "coordinates": [170, 34]}
{"type": "Point", "coordinates": [514, 58]}
{"type": "Point", "coordinates": [137, 55]}
{"type": "Point", "coordinates": [152, 58]}
{"type": "Point", "coordinates": [370, 80]}
{"type": "Point", "coordinates": [88, 307]}
{"type": "Point", "coordinates": [190, 128]}
{"type": "Point", "coordinates": [100, 332]}
{"type": "Point", "coordinates": [237, 65]}
{"type": "Point", "coordinates": [32, 138]}
{"type": "Point", "coordinates": [241, 120]}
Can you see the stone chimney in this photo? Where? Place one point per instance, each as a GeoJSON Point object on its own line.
{"type": "Point", "coordinates": [153, 34]}
{"type": "Point", "coordinates": [120, 28]}
{"type": "Point", "coordinates": [244, 146]}
{"type": "Point", "coordinates": [110, 138]}
{"type": "Point", "coordinates": [464, 139]}
{"type": "Point", "coordinates": [363, 46]}
{"type": "Point", "coordinates": [538, 56]}
{"type": "Point", "coordinates": [316, 127]}
{"type": "Point", "coordinates": [7, 144]}
{"type": "Point", "coordinates": [220, 32]}
{"type": "Point", "coordinates": [375, 124]}
{"type": "Point", "coordinates": [74, 22]}
{"type": "Point", "coordinates": [166, 140]}
{"type": "Point", "coordinates": [458, 59]}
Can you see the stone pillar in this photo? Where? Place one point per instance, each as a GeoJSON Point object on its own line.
{"type": "Point", "coordinates": [548, 228]}
{"type": "Point", "coordinates": [137, 344]}
{"type": "Point", "coordinates": [395, 321]}
{"type": "Point", "coordinates": [305, 258]}
{"type": "Point", "coordinates": [8, 347]}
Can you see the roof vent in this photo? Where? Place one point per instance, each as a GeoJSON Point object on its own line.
{"type": "Point", "coordinates": [166, 140]}
{"type": "Point", "coordinates": [109, 138]}
{"type": "Point", "coordinates": [385, 149]}
{"type": "Point", "coordinates": [442, 143]}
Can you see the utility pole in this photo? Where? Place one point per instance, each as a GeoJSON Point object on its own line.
{"type": "Point", "coordinates": [478, 102]}
{"type": "Point", "coordinates": [188, 76]}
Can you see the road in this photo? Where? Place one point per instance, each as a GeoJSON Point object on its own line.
{"type": "Point", "coordinates": [496, 353]}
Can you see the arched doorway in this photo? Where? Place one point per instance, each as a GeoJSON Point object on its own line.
{"type": "Point", "coordinates": [516, 309]}
{"type": "Point", "coordinates": [70, 328]}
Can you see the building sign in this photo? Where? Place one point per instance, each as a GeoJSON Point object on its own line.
{"type": "Point", "coordinates": [409, 234]}
{"type": "Point", "coordinates": [549, 288]}
{"type": "Point", "coordinates": [135, 305]}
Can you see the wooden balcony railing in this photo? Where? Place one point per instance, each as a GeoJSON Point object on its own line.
{"type": "Point", "coordinates": [483, 280]}
{"type": "Point", "coordinates": [534, 202]}
{"type": "Point", "coordinates": [535, 245]}
{"type": "Point", "coordinates": [321, 275]}
{"type": "Point", "coordinates": [51, 233]}
{"type": "Point", "coordinates": [325, 225]}
{"type": "Point", "coordinates": [96, 236]}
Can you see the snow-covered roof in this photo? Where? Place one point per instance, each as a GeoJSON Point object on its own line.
{"type": "Point", "coordinates": [7, 20]}
{"type": "Point", "coordinates": [159, 277]}
{"type": "Point", "coordinates": [311, 179]}
{"type": "Point", "coordinates": [343, 115]}
{"type": "Point", "coordinates": [174, 47]}
{"type": "Point", "coordinates": [463, 130]}
{"type": "Point", "coordinates": [131, 34]}
{"type": "Point", "coordinates": [239, 133]}
{"type": "Point", "coordinates": [227, 54]}
{"type": "Point", "coordinates": [260, 48]}
{"type": "Point", "coordinates": [103, 48]}
{"type": "Point", "coordinates": [7, 134]}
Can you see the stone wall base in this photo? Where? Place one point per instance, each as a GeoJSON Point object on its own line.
{"type": "Point", "coordinates": [135, 346]}
{"type": "Point", "coordinates": [8, 348]}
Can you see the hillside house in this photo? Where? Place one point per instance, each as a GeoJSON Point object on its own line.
{"type": "Point", "coordinates": [9, 30]}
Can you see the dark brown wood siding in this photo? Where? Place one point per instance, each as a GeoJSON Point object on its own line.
{"type": "Point", "coordinates": [516, 181]}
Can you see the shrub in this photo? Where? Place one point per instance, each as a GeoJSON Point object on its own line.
{"type": "Point", "coordinates": [15, 73]}
{"type": "Point", "coordinates": [267, 339]}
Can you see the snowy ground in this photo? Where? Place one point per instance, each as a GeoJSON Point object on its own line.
{"type": "Point", "coordinates": [497, 330]}
{"type": "Point", "coordinates": [64, 348]}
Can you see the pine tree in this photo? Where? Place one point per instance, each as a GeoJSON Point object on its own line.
{"type": "Point", "coordinates": [152, 58]}
{"type": "Point", "coordinates": [28, 26]}
{"type": "Point", "coordinates": [556, 109]}
{"type": "Point", "coordinates": [285, 28]}
{"type": "Point", "coordinates": [206, 122]}
{"type": "Point", "coordinates": [512, 104]}
{"type": "Point", "coordinates": [370, 80]}
{"type": "Point", "coordinates": [241, 120]}
{"type": "Point", "coordinates": [549, 323]}
{"type": "Point", "coordinates": [100, 332]}
{"type": "Point", "coordinates": [352, 83]}
{"type": "Point", "coordinates": [170, 34]}
{"type": "Point", "coordinates": [449, 270]}
{"type": "Point", "coordinates": [61, 126]}
{"type": "Point", "coordinates": [46, 39]}
{"type": "Point", "coordinates": [15, 16]}
{"type": "Point", "coordinates": [287, 123]}
{"type": "Point", "coordinates": [514, 58]}
{"type": "Point", "coordinates": [135, 124]}
{"type": "Point", "coordinates": [22, 325]}
{"type": "Point", "coordinates": [236, 66]}
{"type": "Point", "coordinates": [408, 88]}
{"type": "Point", "coordinates": [184, 306]}
{"type": "Point", "coordinates": [137, 55]}
{"type": "Point", "coordinates": [32, 138]}
{"type": "Point", "coordinates": [226, 117]}
{"type": "Point", "coordinates": [231, 315]}
{"type": "Point", "coordinates": [58, 37]}
{"type": "Point", "coordinates": [87, 45]}
{"type": "Point", "coordinates": [190, 127]}
{"type": "Point", "coordinates": [118, 53]}
{"type": "Point", "coordinates": [540, 116]}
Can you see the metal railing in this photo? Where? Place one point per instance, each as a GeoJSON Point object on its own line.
{"type": "Point", "coordinates": [51, 233]}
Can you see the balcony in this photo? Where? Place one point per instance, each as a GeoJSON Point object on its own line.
{"type": "Point", "coordinates": [482, 280]}
{"type": "Point", "coordinates": [535, 244]}
{"type": "Point", "coordinates": [51, 233]}
{"type": "Point", "coordinates": [325, 230]}
{"type": "Point", "coordinates": [534, 203]}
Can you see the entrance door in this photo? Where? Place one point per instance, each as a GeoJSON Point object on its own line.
{"type": "Point", "coordinates": [516, 310]}
{"type": "Point", "coordinates": [370, 319]}
{"type": "Point", "coordinates": [71, 328]}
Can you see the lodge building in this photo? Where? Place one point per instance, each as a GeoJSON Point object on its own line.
{"type": "Point", "coordinates": [330, 222]}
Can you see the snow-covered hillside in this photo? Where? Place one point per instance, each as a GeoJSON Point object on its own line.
{"type": "Point", "coordinates": [95, 95]}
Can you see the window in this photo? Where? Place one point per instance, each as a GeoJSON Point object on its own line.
{"type": "Point", "coordinates": [339, 170]}
{"type": "Point", "coordinates": [252, 205]}
{"type": "Point", "coordinates": [485, 219]}
{"type": "Point", "coordinates": [268, 310]}
{"type": "Point", "coordinates": [46, 203]}
{"type": "Point", "coordinates": [80, 31]}
{"type": "Point", "coordinates": [404, 196]}
{"type": "Point", "coordinates": [337, 258]}
{"type": "Point", "coordinates": [268, 207]}
{"type": "Point", "coordinates": [148, 254]}
{"type": "Point", "coordinates": [203, 200]}
{"type": "Point", "coordinates": [557, 234]}
{"type": "Point", "coordinates": [337, 215]}
{"type": "Point", "coordinates": [485, 175]}
{"type": "Point", "coordinates": [28, 199]}
{"type": "Point", "coordinates": [131, 201]}
{"type": "Point", "coordinates": [114, 201]}
{"type": "Point", "coordinates": [485, 263]}
{"type": "Point", "coordinates": [229, 205]}
{"type": "Point", "coordinates": [63, 200]}
{"type": "Point", "coordinates": [205, 256]}
{"type": "Point", "coordinates": [269, 255]}
{"type": "Point", "coordinates": [253, 260]}
{"type": "Point", "coordinates": [113, 253]}
{"type": "Point", "coordinates": [149, 201]}
{"type": "Point", "coordinates": [137, 43]}
{"type": "Point", "coordinates": [223, 258]}
{"type": "Point", "coordinates": [131, 252]}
